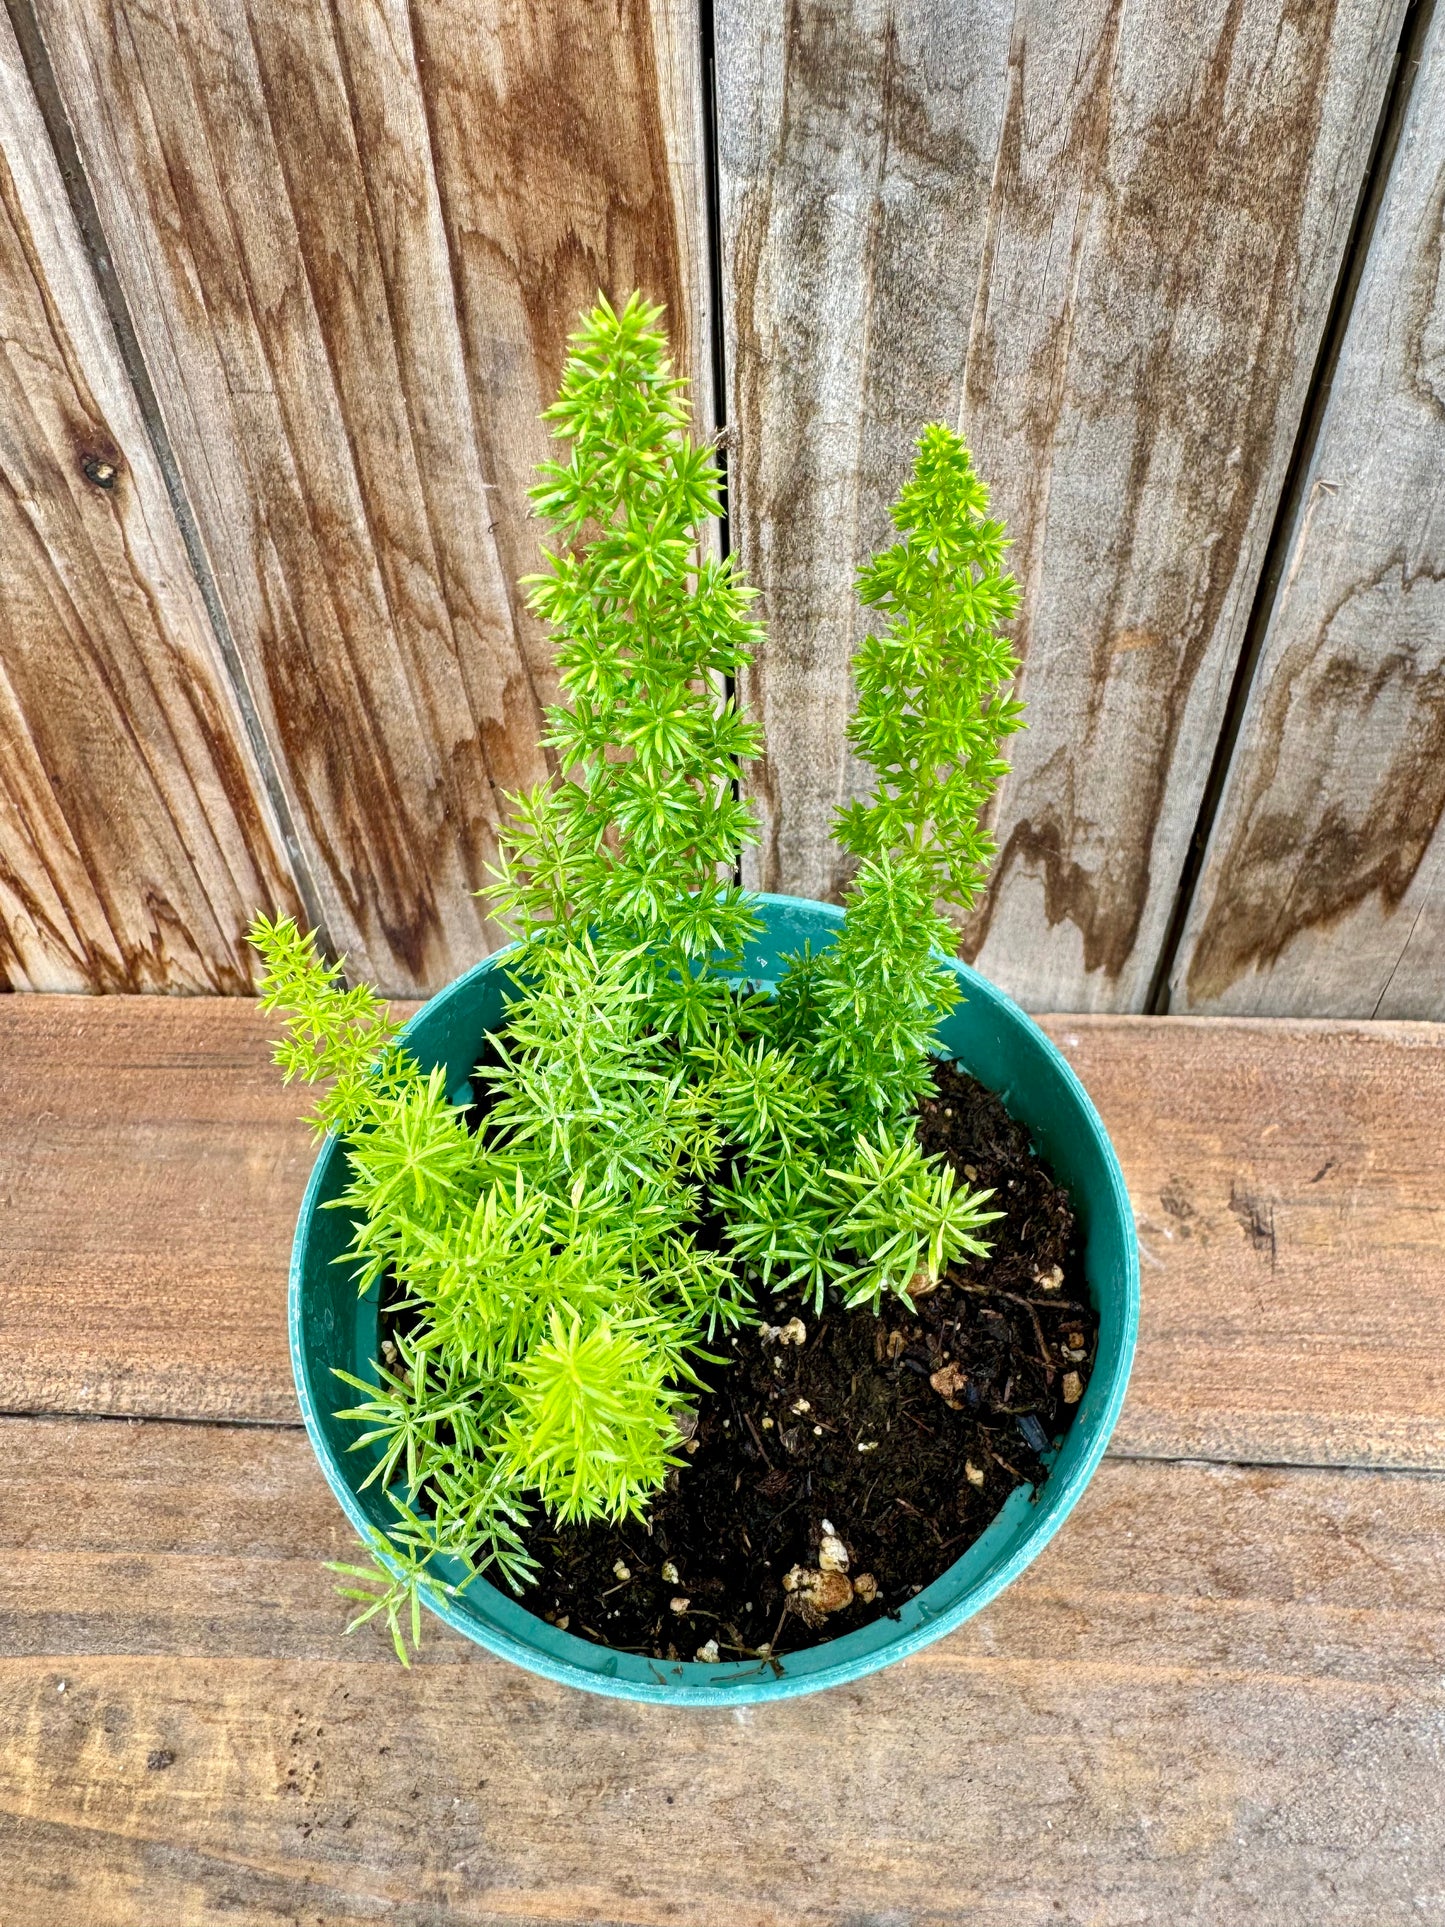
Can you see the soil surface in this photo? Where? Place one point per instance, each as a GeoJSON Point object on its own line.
{"type": "Point", "coordinates": [840, 1464]}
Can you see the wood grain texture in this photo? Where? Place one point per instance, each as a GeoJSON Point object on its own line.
{"type": "Point", "coordinates": [1215, 1697]}
{"type": "Point", "coordinates": [136, 839]}
{"type": "Point", "coordinates": [1323, 890]}
{"type": "Point", "coordinates": [150, 1174]}
{"type": "Point", "coordinates": [1104, 238]}
{"type": "Point", "coordinates": [353, 240]}
{"type": "Point", "coordinates": [1288, 1181]}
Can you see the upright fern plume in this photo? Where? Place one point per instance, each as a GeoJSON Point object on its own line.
{"type": "Point", "coordinates": [640, 841]}
{"type": "Point", "coordinates": [933, 681]}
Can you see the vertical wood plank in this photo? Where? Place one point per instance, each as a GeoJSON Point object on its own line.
{"type": "Point", "coordinates": [568, 144]}
{"type": "Point", "coordinates": [136, 839]}
{"type": "Point", "coordinates": [1103, 236]}
{"type": "Point", "coordinates": [855, 154]}
{"type": "Point", "coordinates": [1323, 890]}
{"type": "Point", "coordinates": [353, 239]}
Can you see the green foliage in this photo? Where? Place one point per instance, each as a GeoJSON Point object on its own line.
{"type": "Point", "coordinates": [332, 1034]}
{"type": "Point", "coordinates": [596, 1418]}
{"type": "Point", "coordinates": [397, 1578]}
{"type": "Point", "coordinates": [879, 993]}
{"type": "Point", "coordinates": [641, 842]}
{"type": "Point", "coordinates": [931, 684]}
{"type": "Point", "coordinates": [855, 1023]}
{"type": "Point", "coordinates": [555, 1297]}
{"type": "Point", "coordinates": [932, 708]}
{"type": "Point", "coordinates": [903, 1217]}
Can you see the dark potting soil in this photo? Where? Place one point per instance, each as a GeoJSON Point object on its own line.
{"type": "Point", "coordinates": [896, 1438]}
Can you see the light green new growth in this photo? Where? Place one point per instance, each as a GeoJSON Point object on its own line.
{"type": "Point", "coordinates": [641, 844]}
{"type": "Point", "coordinates": [932, 707]}
{"type": "Point", "coordinates": [557, 1304]}
{"type": "Point", "coordinates": [560, 1307]}
{"type": "Point", "coordinates": [932, 701]}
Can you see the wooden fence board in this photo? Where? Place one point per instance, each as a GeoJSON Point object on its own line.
{"type": "Point", "coordinates": [1216, 1696]}
{"type": "Point", "coordinates": [1288, 1181]}
{"type": "Point", "coordinates": [1323, 889]}
{"type": "Point", "coordinates": [136, 838]}
{"type": "Point", "coordinates": [353, 241]}
{"type": "Point", "coordinates": [1105, 237]}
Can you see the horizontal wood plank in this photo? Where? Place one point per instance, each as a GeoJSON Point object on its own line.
{"type": "Point", "coordinates": [354, 241]}
{"type": "Point", "coordinates": [150, 1175]}
{"type": "Point", "coordinates": [1323, 890]}
{"type": "Point", "coordinates": [1103, 240]}
{"type": "Point", "coordinates": [1288, 1183]}
{"type": "Point", "coordinates": [1288, 1180]}
{"type": "Point", "coordinates": [137, 833]}
{"type": "Point", "coordinates": [1216, 1696]}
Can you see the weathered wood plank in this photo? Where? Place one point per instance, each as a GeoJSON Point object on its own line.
{"type": "Point", "coordinates": [1215, 1697]}
{"type": "Point", "coordinates": [1288, 1180]}
{"type": "Point", "coordinates": [136, 838]}
{"type": "Point", "coordinates": [1323, 890]}
{"type": "Point", "coordinates": [150, 1174]}
{"type": "Point", "coordinates": [1105, 240]}
{"type": "Point", "coordinates": [353, 241]}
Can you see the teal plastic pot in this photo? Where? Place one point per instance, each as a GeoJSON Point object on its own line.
{"type": "Point", "coordinates": [993, 1040]}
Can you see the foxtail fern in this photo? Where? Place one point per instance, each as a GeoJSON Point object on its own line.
{"type": "Point", "coordinates": [556, 1302]}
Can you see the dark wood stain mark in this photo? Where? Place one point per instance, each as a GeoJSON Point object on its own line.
{"type": "Point", "coordinates": [1347, 789]}
{"type": "Point", "coordinates": [1255, 1218]}
{"type": "Point", "coordinates": [551, 162]}
{"type": "Point", "coordinates": [582, 125]}
{"type": "Point", "coordinates": [1032, 205]}
{"type": "Point", "coordinates": [371, 522]}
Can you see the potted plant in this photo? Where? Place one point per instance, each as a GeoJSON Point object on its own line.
{"type": "Point", "coordinates": [710, 1296]}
